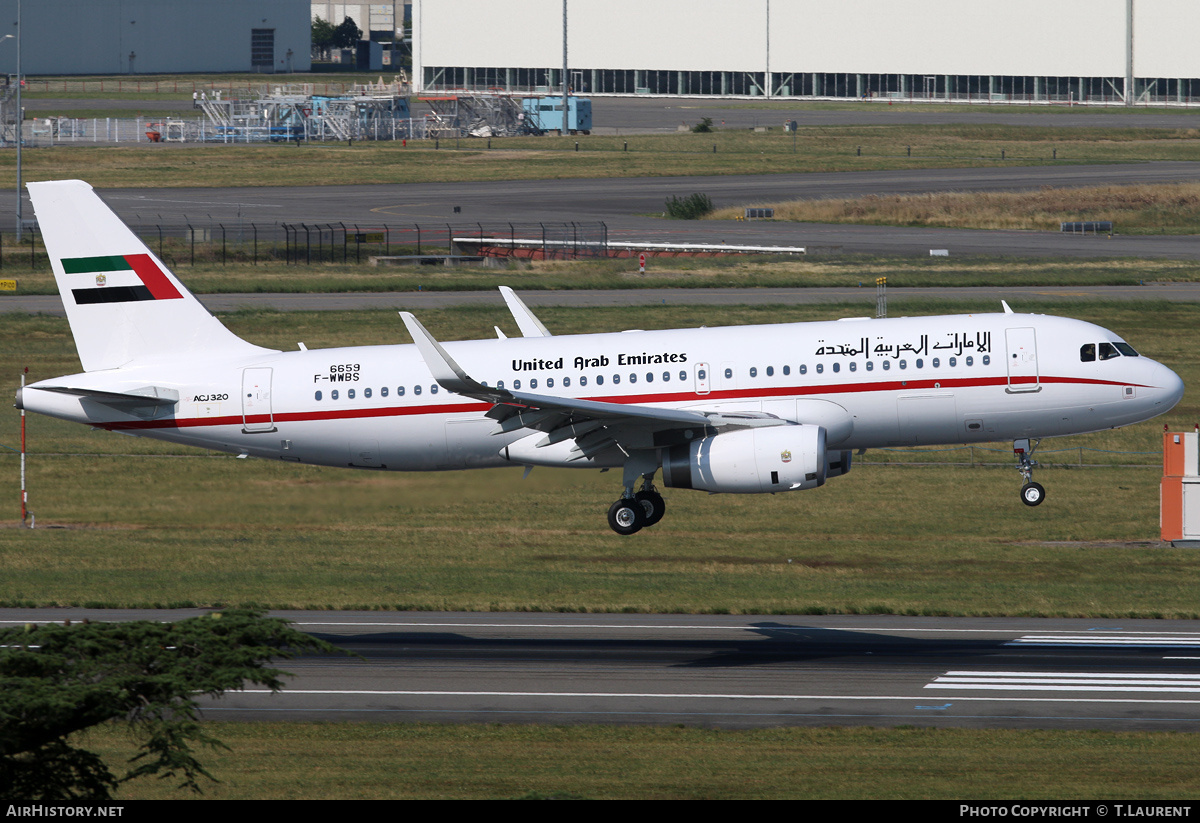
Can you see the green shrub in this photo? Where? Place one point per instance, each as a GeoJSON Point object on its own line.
{"type": "Point", "coordinates": [692, 207]}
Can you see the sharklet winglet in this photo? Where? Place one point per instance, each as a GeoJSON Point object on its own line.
{"type": "Point", "coordinates": [527, 322]}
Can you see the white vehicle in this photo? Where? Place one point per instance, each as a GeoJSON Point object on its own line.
{"type": "Point", "coordinates": [745, 409]}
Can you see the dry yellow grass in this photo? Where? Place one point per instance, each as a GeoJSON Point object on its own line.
{"type": "Point", "coordinates": [1136, 208]}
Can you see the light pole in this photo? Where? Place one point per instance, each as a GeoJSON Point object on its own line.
{"type": "Point", "coordinates": [20, 123]}
{"type": "Point", "coordinates": [19, 117]}
{"type": "Point", "coordinates": [565, 88]}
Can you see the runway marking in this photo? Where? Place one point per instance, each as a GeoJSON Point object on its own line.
{"type": "Point", "coordinates": [1154, 640]}
{"type": "Point", "coordinates": [406, 210]}
{"type": "Point", "coordinates": [1068, 681]}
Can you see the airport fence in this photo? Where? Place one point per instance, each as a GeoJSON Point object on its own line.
{"type": "Point", "coordinates": [226, 242]}
{"type": "Point", "coordinates": [182, 86]}
{"type": "Point", "coordinates": [53, 131]}
{"type": "Point", "coordinates": [989, 456]}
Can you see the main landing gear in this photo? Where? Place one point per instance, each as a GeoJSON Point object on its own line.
{"type": "Point", "coordinates": [1032, 494]}
{"type": "Point", "coordinates": [637, 510]}
{"type": "Point", "coordinates": [632, 514]}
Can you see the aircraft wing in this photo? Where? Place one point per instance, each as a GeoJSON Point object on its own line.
{"type": "Point", "coordinates": [594, 425]}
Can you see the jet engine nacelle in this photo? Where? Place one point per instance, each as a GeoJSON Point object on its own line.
{"type": "Point", "coordinates": [838, 462]}
{"type": "Point", "coordinates": [750, 461]}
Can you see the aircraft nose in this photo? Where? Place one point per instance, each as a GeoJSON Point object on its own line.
{"type": "Point", "coordinates": [1170, 388]}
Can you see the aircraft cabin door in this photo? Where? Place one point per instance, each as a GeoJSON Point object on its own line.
{"type": "Point", "coordinates": [256, 401]}
{"type": "Point", "coordinates": [1022, 360]}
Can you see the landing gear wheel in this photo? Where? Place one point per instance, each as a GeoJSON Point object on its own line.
{"type": "Point", "coordinates": [626, 516]}
{"type": "Point", "coordinates": [653, 504]}
{"type": "Point", "coordinates": [1032, 494]}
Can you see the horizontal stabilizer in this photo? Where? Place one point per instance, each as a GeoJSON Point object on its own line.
{"type": "Point", "coordinates": [148, 403]}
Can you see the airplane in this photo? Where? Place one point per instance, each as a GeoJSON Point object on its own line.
{"type": "Point", "coordinates": [737, 409]}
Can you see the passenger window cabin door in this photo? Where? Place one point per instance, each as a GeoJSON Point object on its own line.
{"type": "Point", "coordinates": [1022, 360]}
{"type": "Point", "coordinates": [257, 415]}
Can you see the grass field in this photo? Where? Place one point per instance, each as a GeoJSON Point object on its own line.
{"type": "Point", "coordinates": [145, 523]}
{"type": "Point", "coordinates": [824, 149]}
{"type": "Point", "coordinates": [296, 761]}
{"type": "Point", "coordinates": [1136, 209]}
{"type": "Point", "coordinates": [751, 271]}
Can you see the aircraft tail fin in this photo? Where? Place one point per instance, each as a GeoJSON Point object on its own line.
{"type": "Point", "coordinates": [123, 304]}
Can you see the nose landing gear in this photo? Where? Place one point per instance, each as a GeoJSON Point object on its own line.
{"type": "Point", "coordinates": [1032, 494]}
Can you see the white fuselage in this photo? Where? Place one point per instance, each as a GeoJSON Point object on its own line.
{"type": "Point", "coordinates": [869, 382]}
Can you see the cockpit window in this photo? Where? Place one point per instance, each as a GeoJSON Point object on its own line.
{"type": "Point", "coordinates": [1108, 351]}
{"type": "Point", "coordinates": [1087, 352]}
{"type": "Point", "coordinates": [1126, 349]}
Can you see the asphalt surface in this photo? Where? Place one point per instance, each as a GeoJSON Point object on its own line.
{"type": "Point", "coordinates": [1018, 297]}
{"type": "Point", "coordinates": [733, 672]}
{"type": "Point", "coordinates": [620, 115]}
{"type": "Point", "coordinates": [631, 209]}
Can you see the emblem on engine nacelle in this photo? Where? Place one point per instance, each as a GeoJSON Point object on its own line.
{"type": "Point", "coordinates": [786, 456]}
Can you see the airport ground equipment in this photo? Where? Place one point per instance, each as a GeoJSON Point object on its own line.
{"type": "Point", "coordinates": [1179, 517]}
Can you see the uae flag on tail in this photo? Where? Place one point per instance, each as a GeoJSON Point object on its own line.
{"type": "Point", "coordinates": [153, 283]}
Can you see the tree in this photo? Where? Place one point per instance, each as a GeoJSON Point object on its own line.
{"type": "Point", "coordinates": [322, 36]}
{"type": "Point", "coordinates": [347, 35]}
{"type": "Point", "coordinates": [56, 680]}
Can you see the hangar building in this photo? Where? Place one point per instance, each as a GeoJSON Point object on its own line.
{"type": "Point", "coordinates": [1115, 52]}
{"type": "Point", "coordinates": [156, 36]}
{"type": "Point", "coordinates": [378, 21]}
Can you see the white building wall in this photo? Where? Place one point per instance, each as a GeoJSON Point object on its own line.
{"type": "Point", "coordinates": [98, 36]}
{"type": "Point", "coordinates": [1080, 38]}
{"type": "Point", "coordinates": [620, 34]}
{"type": "Point", "coordinates": [700, 35]}
{"type": "Point", "coordinates": [491, 33]}
{"type": "Point", "coordinates": [1025, 38]}
{"type": "Point", "coordinates": [1165, 38]}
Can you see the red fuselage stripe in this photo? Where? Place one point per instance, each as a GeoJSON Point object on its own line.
{"type": "Point", "coordinates": [344, 413]}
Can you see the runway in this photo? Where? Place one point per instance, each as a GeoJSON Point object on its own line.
{"type": "Point", "coordinates": [728, 672]}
